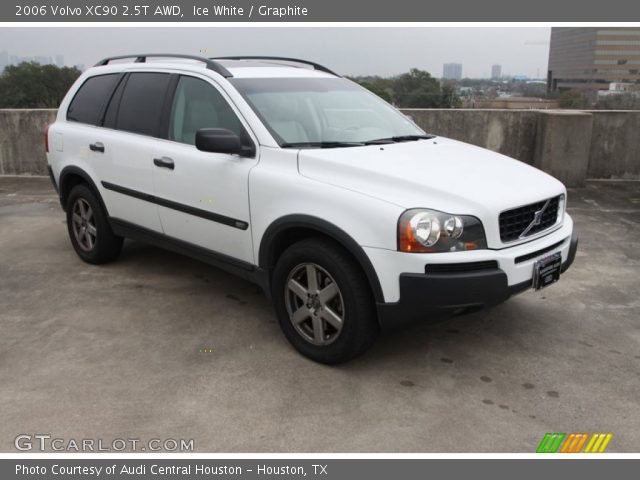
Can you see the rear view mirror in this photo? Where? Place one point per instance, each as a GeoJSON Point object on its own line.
{"type": "Point", "coordinates": [221, 140]}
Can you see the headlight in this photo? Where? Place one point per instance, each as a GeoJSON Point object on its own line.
{"type": "Point", "coordinates": [421, 231]}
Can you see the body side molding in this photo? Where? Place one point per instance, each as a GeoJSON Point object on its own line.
{"type": "Point", "coordinates": [163, 202]}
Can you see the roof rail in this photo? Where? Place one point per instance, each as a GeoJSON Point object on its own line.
{"type": "Point", "coordinates": [315, 66]}
{"type": "Point", "coordinates": [142, 58]}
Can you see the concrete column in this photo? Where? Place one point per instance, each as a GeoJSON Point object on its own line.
{"type": "Point", "coordinates": [563, 140]}
{"type": "Point", "coordinates": [22, 141]}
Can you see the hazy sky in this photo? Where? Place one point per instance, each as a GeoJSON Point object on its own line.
{"type": "Point", "coordinates": [347, 50]}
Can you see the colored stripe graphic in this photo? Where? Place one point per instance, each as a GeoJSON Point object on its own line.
{"type": "Point", "coordinates": [582, 441]}
{"type": "Point", "coordinates": [573, 442]}
{"type": "Point", "coordinates": [550, 443]}
{"type": "Point", "coordinates": [598, 443]}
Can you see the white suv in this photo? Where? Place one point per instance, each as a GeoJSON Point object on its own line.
{"type": "Point", "coordinates": [348, 215]}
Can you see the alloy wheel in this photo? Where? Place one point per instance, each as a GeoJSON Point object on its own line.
{"type": "Point", "coordinates": [314, 304]}
{"type": "Point", "coordinates": [84, 227]}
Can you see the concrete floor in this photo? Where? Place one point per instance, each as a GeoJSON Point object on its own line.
{"type": "Point", "coordinates": [117, 351]}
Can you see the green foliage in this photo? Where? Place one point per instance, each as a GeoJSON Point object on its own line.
{"type": "Point", "coordinates": [620, 101]}
{"type": "Point", "coordinates": [572, 99]}
{"type": "Point", "coordinates": [417, 89]}
{"type": "Point", "coordinates": [414, 89]}
{"type": "Point", "coordinates": [31, 85]}
{"type": "Point", "coordinates": [379, 89]}
{"type": "Point", "coordinates": [449, 98]}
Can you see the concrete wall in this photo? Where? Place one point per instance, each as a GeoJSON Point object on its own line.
{"type": "Point", "coordinates": [22, 141]}
{"type": "Point", "coordinates": [571, 145]}
{"type": "Point", "coordinates": [510, 132]}
{"type": "Point", "coordinates": [615, 145]}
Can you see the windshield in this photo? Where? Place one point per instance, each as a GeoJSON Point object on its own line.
{"type": "Point", "coordinates": [317, 112]}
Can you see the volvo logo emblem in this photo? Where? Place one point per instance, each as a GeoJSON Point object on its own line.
{"type": "Point", "coordinates": [537, 219]}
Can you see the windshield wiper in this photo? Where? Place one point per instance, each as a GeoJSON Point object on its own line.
{"type": "Point", "coordinates": [399, 138]}
{"type": "Point", "coordinates": [321, 144]}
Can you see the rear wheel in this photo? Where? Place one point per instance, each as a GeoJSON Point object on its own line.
{"type": "Point", "coordinates": [89, 229]}
{"type": "Point", "coordinates": [323, 302]}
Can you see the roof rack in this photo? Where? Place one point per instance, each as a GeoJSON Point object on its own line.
{"type": "Point", "coordinates": [315, 66]}
{"type": "Point", "coordinates": [142, 58]}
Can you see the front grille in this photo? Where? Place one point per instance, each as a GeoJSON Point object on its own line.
{"type": "Point", "coordinates": [513, 223]}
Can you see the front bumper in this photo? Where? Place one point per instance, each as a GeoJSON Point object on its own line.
{"type": "Point", "coordinates": [436, 295]}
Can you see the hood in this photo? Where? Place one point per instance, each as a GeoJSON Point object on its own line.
{"type": "Point", "coordinates": [440, 174]}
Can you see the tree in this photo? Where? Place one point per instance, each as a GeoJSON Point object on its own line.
{"type": "Point", "coordinates": [377, 88]}
{"type": "Point", "coordinates": [418, 89]}
{"type": "Point", "coordinates": [449, 98]}
{"type": "Point", "coordinates": [621, 101]}
{"type": "Point", "coordinates": [31, 85]}
{"type": "Point", "coordinates": [572, 99]}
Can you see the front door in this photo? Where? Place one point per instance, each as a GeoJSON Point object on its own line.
{"type": "Point", "coordinates": [203, 197]}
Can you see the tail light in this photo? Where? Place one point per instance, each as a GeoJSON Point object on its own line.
{"type": "Point", "coordinates": [46, 138]}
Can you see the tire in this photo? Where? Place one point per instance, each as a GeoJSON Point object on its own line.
{"type": "Point", "coordinates": [89, 229]}
{"type": "Point", "coordinates": [310, 323]}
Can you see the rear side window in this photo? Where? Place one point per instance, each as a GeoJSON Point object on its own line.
{"type": "Point", "coordinates": [140, 109]}
{"type": "Point", "coordinates": [88, 102]}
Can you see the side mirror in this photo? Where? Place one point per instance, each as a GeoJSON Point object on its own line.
{"type": "Point", "coordinates": [221, 140]}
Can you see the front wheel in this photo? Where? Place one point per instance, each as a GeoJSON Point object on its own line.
{"type": "Point", "coordinates": [323, 302]}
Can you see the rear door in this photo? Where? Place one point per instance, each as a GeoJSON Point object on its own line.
{"type": "Point", "coordinates": [203, 197]}
{"type": "Point", "coordinates": [127, 142]}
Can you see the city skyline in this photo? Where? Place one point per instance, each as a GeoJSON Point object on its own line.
{"type": "Point", "coordinates": [353, 51]}
{"type": "Point", "coordinates": [6, 59]}
{"type": "Point", "coordinates": [451, 70]}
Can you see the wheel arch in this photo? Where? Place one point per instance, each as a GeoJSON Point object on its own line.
{"type": "Point", "coordinates": [71, 176]}
{"type": "Point", "coordinates": [289, 229]}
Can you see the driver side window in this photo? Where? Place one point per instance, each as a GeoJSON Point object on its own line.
{"type": "Point", "coordinates": [197, 105]}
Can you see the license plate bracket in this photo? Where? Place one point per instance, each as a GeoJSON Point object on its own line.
{"type": "Point", "coordinates": [547, 271]}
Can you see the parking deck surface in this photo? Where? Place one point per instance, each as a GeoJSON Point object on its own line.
{"type": "Point", "coordinates": [158, 346]}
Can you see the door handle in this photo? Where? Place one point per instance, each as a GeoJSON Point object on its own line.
{"type": "Point", "coordinates": [164, 162]}
{"type": "Point", "coordinates": [97, 147]}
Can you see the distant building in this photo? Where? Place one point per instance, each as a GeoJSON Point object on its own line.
{"type": "Point", "coordinates": [618, 89]}
{"type": "Point", "coordinates": [496, 72]}
{"type": "Point", "coordinates": [4, 60]}
{"type": "Point", "coordinates": [7, 59]}
{"type": "Point", "coordinates": [42, 60]}
{"type": "Point", "coordinates": [592, 58]}
{"type": "Point", "coordinates": [17, 60]}
{"type": "Point", "coordinates": [452, 71]}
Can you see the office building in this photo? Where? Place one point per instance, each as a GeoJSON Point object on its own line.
{"type": "Point", "coordinates": [496, 72]}
{"type": "Point", "coordinates": [592, 58]}
{"type": "Point", "coordinates": [452, 71]}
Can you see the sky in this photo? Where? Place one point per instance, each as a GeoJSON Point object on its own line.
{"type": "Point", "coordinates": [384, 51]}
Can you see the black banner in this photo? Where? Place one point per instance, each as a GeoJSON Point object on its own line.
{"type": "Point", "coordinates": [326, 469]}
{"type": "Point", "coordinates": [317, 11]}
